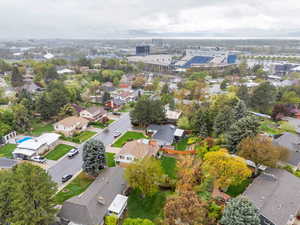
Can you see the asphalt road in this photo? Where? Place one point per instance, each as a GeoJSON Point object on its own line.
{"type": "Point", "coordinates": [73, 166]}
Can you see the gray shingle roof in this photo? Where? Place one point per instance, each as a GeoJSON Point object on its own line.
{"type": "Point", "coordinates": [164, 134]}
{"type": "Point", "coordinates": [84, 209]}
{"type": "Point", "coordinates": [276, 194]}
{"type": "Point", "coordinates": [292, 142]}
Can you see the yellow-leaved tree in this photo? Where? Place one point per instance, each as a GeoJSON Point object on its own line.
{"type": "Point", "coordinates": [225, 169]}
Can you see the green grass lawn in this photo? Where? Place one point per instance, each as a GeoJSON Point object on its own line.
{"type": "Point", "coordinates": [110, 159]}
{"type": "Point", "coordinates": [6, 150]}
{"type": "Point", "coordinates": [125, 108]}
{"type": "Point", "coordinates": [40, 128]}
{"type": "Point", "coordinates": [181, 145]}
{"type": "Point", "coordinates": [235, 190]}
{"type": "Point", "coordinates": [58, 152]}
{"type": "Point", "coordinates": [79, 138]}
{"type": "Point", "coordinates": [169, 166]}
{"type": "Point", "coordinates": [76, 187]}
{"type": "Point", "coordinates": [85, 135]}
{"type": "Point", "coordinates": [148, 207]}
{"type": "Point", "coordinates": [128, 136]}
{"type": "Point", "coordinates": [102, 125]}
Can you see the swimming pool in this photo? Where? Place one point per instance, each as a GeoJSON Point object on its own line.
{"type": "Point", "coordinates": [23, 139]}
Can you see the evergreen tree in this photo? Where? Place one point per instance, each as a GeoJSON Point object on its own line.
{"type": "Point", "coordinates": [105, 97]}
{"type": "Point", "coordinates": [93, 157]}
{"type": "Point", "coordinates": [245, 127]}
{"type": "Point", "coordinates": [223, 121]}
{"type": "Point", "coordinates": [243, 94]}
{"type": "Point", "coordinates": [240, 211]}
{"type": "Point", "coordinates": [202, 123]}
{"type": "Point", "coordinates": [16, 77]}
{"type": "Point", "coordinates": [50, 74]}
{"type": "Point", "coordinates": [264, 97]}
{"type": "Point", "coordinates": [165, 89]}
{"type": "Point", "coordinates": [27, 196]}
{"type": "Point", "coordinates": [239, 111]}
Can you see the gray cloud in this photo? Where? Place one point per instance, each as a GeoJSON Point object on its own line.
{"type": "Point", "coordinates": [129, 18]}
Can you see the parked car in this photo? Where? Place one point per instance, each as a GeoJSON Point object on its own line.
{"type": "Point", "coordinates": [73, 152]}
{"type": "Point", "coordinates": [116, 113]}
{"type": "Point", "coordinates": [38, 159]}
{"type": "Point", "coordinates": [66, 177]}
{"type": "Point", "coordinates": [117, 134]}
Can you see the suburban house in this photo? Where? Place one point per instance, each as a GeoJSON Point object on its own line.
{"type": "Point", "coordinates": [71, 125]}
{"type": "Point", "coordinates": [172, 116]}
{"type": "Point", "coordinates": [292, 143]}
{"type": "Point", "coordinates": [135, 150]}
{"type": "Point", "coordinates": [7, 163]}
{"type": "Point", "coordinates": [276, 194]}
{"type": "Point", "coordinates": [163, 134]}
{"type": "Point", "coordinates": [90, 207]}
{"type": "Point", "coordinates": [36, 146]}
{"type": "Point", "coordinates": [93, 113]}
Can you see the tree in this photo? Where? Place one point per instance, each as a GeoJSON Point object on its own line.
{"type": "Point", "coordinates": [144, 175]}
{"type": "Point", "coordinates": [29, 200]}
{"type": "Point", "coordinates": [165, 89]}
{"type": "Point", "coordinates": [137, 221]}
{"type": "Point", "coordinates": [139, 82]}
{"type": "Point", "coordinates": [243, 94]}
{"type": "Point", "coordinates": [147, 111]}
{"type": "Point", "coordinates": [21, 117]}
{"type": "Point", "coordinates": [16, 77]}
{"type": "Point", "coordinates": [66, 110]}
{"type": "Point", "coordinates": [290, 97]}
{"type": "Point", "coordinates": [50, 74]}
{"type": "Point", "coordinates": [245, 127]}
{"type": "Point", "coordinates": [224, 84]}
{"type": "Point", "coordinates": [223, 120]}
{"type": "Point", "coordinates": [240, 211]}
{"type": "Point", "coordinates": [185, 208]}
{"type": "Point", "coordinates": [106, 97]}
{"type": "Point", "coordinates": [184, 123]}
{"type": "Point", "coordinates": [93, 156]}
{"type": "Point", "coordinates": [239, 111]}
{"type": "Point", "coordinates": [111, 220]}
{"type": "Point", "coordinates": [282, 110]}
{"type": "Point", "coordinates": [261, 151]}
{"type": "Point", "coordinates": [225, 169]}
{"type": "Point", "coordinates": [264, 97]}
{"type": "Point", "coordinates": [202, 123]}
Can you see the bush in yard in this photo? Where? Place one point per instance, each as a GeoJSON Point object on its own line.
{"type": "Point", "coordinates": [137, 221]}
{"type": "Point", "coordinates": [111, 220]}
{"type": "Point", "coordinates": [240, 211]}
{"type": "Point", "coordinates": [93, 157]}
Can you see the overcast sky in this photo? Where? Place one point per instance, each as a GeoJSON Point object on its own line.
{"type": "Point", "coordinates": [134, 18]}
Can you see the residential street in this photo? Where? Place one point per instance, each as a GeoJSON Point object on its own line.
{"type": "Point", "coordinates": [72, 166]}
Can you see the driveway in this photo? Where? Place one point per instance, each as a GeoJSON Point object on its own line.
{"type": "Point", "coordinates": [73, 166]}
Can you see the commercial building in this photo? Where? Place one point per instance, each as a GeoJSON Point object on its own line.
{"type": "Point", "coordinates": [142, 50]}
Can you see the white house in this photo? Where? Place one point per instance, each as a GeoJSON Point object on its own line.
{"type": "Point", "coordinates": [71, 125]}
{"type": "Point", "coordinates": [36, 146]}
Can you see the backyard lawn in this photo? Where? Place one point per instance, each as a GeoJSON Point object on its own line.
{"type": "Point", "coordinates": [40, 128]}
{"type": "Point", "coordinates": [169, 166]}
{"type": "Point", "coordinates": [76, 187]}
{"type": "Point", "coordinates": [58, 152]}
{"type": "Point", "coordinates": [181, 145]}
{"type": "Point", "coordinates": [6, 150]}
{"type": "Point", "coordinates": [148, 207]}
{"type": "Point", "coordinates": [110, 159]}
{"type": "Point", "coordinates": [236, 190]}
{"type": "Point", "coordinates": [128, 136]}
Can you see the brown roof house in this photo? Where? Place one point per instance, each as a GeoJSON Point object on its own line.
{"type": "Point", "coordinates": [93, 113]}
{"type": "Point", "coordinates": [71, 125]}
{"type": "Point", "coordinates": [136, 150]}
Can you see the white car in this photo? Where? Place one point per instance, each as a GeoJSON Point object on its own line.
{"type": "Point", "coordinates": [73, 152]}
{"type": "Point", "coordinates": [117, 134]}
{"type": "Point", "coordinates": [38, 159]}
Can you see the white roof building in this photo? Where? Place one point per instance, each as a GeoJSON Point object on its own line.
{"type": "Point", "coordinates": [32, 144]}
{"type": "Point", "coordinates": [48, 56]}
{"type": "Point", "coordinates": [118, 205]}
{"type": "Point", "coordinates": [48, 138]}
{"type": "Point", "coordinates": [65, 71]}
